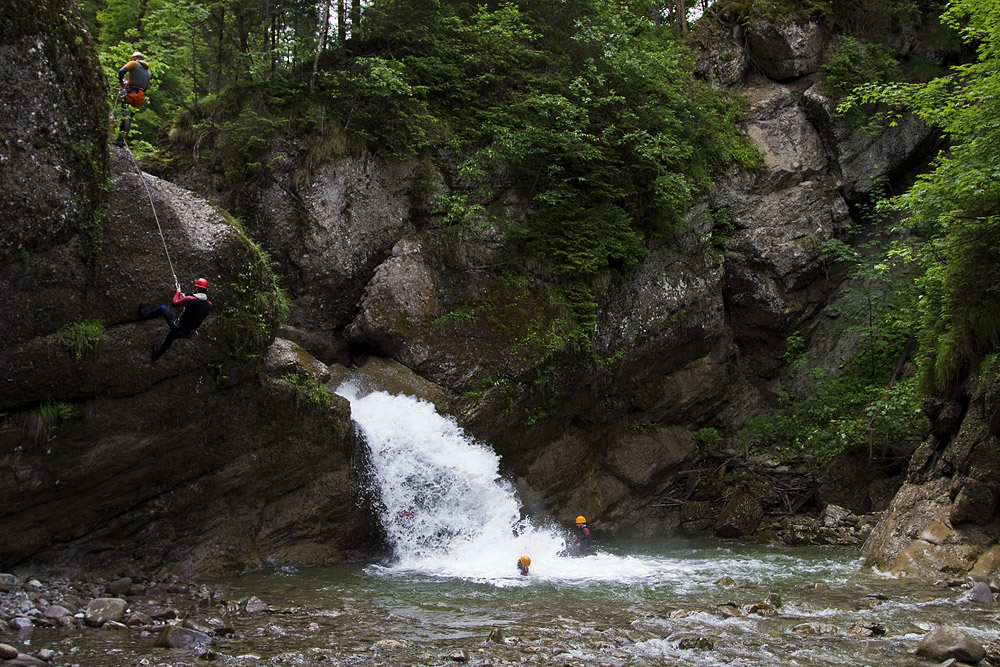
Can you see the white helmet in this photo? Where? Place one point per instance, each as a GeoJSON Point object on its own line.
{"type": "Point", "coordinates": [137, 56]}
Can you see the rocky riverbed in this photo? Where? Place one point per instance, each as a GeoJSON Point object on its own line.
{"type": "Point", "coordinates": [68, 618]}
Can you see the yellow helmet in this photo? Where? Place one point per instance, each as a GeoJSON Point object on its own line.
{"type": "Point", "coordinates": [524, 561]}
{"type": "Point", "coordinates": [137, 56]}
{"type": "Point", "coordinates": [581, 519]}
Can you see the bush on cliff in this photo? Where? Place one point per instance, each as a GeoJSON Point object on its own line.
{"type": "Point", "coordinates": [593, 108]}
{"type": "Point", "coordinates": [952, 210]}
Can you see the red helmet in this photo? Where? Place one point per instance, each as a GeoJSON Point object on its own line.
{"type": "Point", "coordinates": [202, 283]}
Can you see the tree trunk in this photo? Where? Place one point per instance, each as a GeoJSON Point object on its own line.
{"type": "Point", "coordinates": [355, 15]}
{"type": "Point", "coordinates": [341, 21]}
{"type": "Point", "coordinates": [215, 78]}
{"type": "Point", "coordinates": [682, 23]}
{"type": "Point", "coordinates": [324, 22]}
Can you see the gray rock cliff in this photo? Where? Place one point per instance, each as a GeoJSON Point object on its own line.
{"type": "Point", "coordinates": [693, 338]}
{"type": "Point", "coordinates": [152, 463]}
{"type": "Point", "coordinates": [206, 460]}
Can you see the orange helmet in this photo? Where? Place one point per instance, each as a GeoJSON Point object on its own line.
{"type": "Point", "coordinates": [202, 283]}
{"type": "Point", "coordinates": [581, 519]}
{"type": "Point", "coordinates": [524, 561]}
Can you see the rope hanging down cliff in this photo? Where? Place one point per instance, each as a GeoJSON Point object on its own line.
{"type": "Point", "coordinates": [142, 178]}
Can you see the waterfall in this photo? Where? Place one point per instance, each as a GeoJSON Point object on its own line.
{"type": "Point", "coordinates": [445, 508]}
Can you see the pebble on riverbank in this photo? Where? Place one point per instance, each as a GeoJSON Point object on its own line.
{"type": "Point", "coordinates": [71, 602]}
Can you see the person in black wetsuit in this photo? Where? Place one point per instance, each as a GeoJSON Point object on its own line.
{"type": "Point", "coordinates": [582, 535]}
{"type": "Point", "coordinates": [196, 308]}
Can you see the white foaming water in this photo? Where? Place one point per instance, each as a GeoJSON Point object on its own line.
{"type": "Point", "coordinates": [447, 512]}
{"type": "Point", "coordinates": [445, 509]}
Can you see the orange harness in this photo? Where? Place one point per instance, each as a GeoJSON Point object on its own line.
{"type": "Point", "coordinates": [136, 97]}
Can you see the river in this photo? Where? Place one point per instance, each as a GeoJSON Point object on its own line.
{"type": "Point", "coordinates": [454, 531]}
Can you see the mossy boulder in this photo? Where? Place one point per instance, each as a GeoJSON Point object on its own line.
{"type": "Point", "coordinates": [739, 517]}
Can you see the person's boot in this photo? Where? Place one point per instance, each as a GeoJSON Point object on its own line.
{"type": "Point", "coordinates": [156, 351]}
{"type": "Point", "coordinates": [120, 142]}
{"type": "Point", "coordinates": [142, 311]}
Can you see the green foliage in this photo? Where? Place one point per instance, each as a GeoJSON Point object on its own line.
{"type": "Point", "coordinates": [722, 227]}
{"type": "Point", "coordinates": [372, 91]}
{"type": "Point", "coordinates": [795, 351]}
{"type": "Point", "coordinates": [41, 423]}
{"type": "Point", "coordinates": [612, 149]}
{"type": "Point", "coordinates": [92, 235]}
{"type": "Point", "coordinates": [81, 336]}
{"type": "Point", "coordinates": [855, 63]}
{"type": "Point", "coordinates": [880, 294]}
{"type": "Point", "coordinates": [252, 305]}
{"type": "Point", "coordinates": [953, 207]}
{"type": "Point", "coordinates": [461, 210]}
{"type": "Point", "coordinates": [844, 413]}
{"type": "Point", "coordinates": [243, 144]}
{"type": "Point", "coordinates": [310, 393]}
{"type": "Point", "coordinates": [707, 436]}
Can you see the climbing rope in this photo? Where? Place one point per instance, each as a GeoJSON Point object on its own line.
{"type": "Point", "coordinates": [153, 206]}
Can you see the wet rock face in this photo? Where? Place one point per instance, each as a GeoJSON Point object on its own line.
{"type": "Point", "coordinates": [215, 456]}
{"type": "Point", "coordinates": [135, 461]}
{"type": "Point", "coordinates": [54, 96]}
{"type": "Point", "coordinates": [53, 169]}
{"type": "Point", "coordinates": [944, 519]}
{"type": "Point", "coordinates": [131, 267]}
{"type": "Point", "coordinates": [641, 456]}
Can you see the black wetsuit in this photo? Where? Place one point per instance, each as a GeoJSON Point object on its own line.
{"type": "Point", "coordinates": [196, 309]}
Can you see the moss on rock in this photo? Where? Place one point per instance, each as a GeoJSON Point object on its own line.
{"type": "Point", "coordinates": [53, 128]}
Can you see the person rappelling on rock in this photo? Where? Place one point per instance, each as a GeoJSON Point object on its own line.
{"type": "Point", "coordinates": [196, 308]}
{"type": "Point", "coordinates": [133, 77]}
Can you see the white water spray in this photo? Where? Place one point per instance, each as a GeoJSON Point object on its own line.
{"type": "Point", "coordinates": [447, 512]}
{"type": "Point", "coordinates": [445, 508]}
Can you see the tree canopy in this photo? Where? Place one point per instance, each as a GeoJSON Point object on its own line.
{"type": "Point", "coordinates": [592, 105]}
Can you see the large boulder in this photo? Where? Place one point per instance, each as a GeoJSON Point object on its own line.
{"type": "Point", "coordinates": [101, 610]}
{"type": "Point", "coordinates": [944, 520]}
{"type": "Point", "coordinates": [740, 516]}
{"type": "Point", "coordinates": [950, 643]}
{"type": "Point", "coordinates": [788, 50]}
{"type": "Point", "coordinates": [88, 341]}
